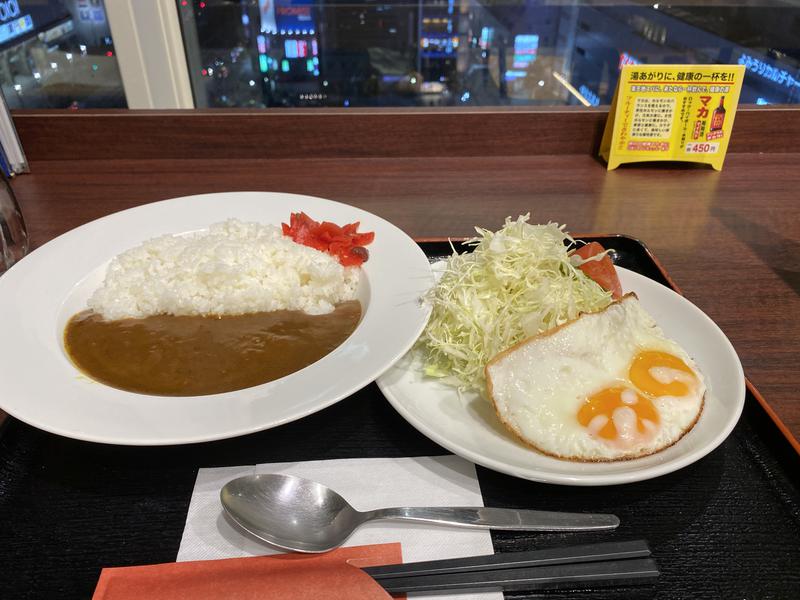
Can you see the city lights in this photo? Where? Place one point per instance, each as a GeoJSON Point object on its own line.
{"type": "Point", "coordinates": [460, 53]}
{"type": "Point", "coordinates": [526, 49]}
{"type": "Point", "coordinates": [768, 72]}
{"type": "Point", "coordinates": [593, 98]}
{"type": "Point", "coordinates": [571, 89]}
{"type": "Point", "coordinates": [627, 59]}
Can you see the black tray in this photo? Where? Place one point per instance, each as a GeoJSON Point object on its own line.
{"type": "Point", "coordinates": [727, 526]}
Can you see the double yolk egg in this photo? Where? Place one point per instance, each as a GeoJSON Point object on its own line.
{"type": "Point", "coordinates": [606, 386]}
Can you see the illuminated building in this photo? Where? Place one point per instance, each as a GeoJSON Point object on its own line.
{"type": "Point", "coordinates": [58, 55]}
{"type": "Point", "coordinates": [265, 53]}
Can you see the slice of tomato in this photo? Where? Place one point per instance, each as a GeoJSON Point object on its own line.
{"type": "Point", "coordinates": [601, 271]}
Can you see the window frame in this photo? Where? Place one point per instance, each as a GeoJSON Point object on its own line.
{"type": "Point", "coordinates": [155, 75]}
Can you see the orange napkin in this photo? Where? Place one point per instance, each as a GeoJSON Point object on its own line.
{"type": "Point", "coordinates": [331, 576]}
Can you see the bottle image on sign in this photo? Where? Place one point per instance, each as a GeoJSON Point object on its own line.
{"type": "Point", "coordinates": [718, 116]}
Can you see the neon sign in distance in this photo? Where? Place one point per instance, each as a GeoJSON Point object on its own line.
{"type": "Point", "coordinates": [526, 47]}
{"type": "Point", "coordinates": [9, 9]}
{"type": "Point", "coordinates": [627, 59]}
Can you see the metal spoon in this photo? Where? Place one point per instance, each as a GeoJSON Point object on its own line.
{"type": "Point", "coordinates": [305, 516]}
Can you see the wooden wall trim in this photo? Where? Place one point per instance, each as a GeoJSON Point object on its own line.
{"type": "Point", "coordinates": [356, 133]}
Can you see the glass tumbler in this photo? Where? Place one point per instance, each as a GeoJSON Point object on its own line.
{"type": "Point", "coordinates": [13, 235]}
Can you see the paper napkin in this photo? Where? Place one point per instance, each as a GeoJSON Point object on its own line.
{"type": "Point", "coordinates": [367, 484]}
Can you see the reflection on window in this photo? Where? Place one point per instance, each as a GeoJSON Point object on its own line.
{"type": "Point", "coordinates": [58, 54]}
{"type": "Point", "coordinates": [267, 53]}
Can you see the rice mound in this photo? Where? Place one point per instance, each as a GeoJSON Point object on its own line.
{"type": "Point", "coordinates": [233, 268]}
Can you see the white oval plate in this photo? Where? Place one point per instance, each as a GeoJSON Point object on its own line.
{"type": "Point", "coordinates": [468, 426]}
{"type": "Point", "coordinates": [40, 293]}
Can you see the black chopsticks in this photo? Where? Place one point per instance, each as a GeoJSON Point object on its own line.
{"type": "Point", "coordinates": [589, 565]}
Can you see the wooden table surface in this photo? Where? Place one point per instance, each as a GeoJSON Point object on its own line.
{"type": "Point", "coordinates": [730, 240]}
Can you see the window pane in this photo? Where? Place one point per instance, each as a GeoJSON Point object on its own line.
{"type": "Point", "coordinates": [268, 53]}
{"type": "Point", "coordinates": [58, 54]}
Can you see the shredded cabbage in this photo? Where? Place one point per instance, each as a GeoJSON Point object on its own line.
{"type": "Point", "coordinates": [518, 281]}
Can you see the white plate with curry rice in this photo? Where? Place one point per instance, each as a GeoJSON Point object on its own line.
{"type": "Point", "coordinates": [203, 318]}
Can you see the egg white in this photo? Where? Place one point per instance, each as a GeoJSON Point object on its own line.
{"type": "Point", "coordinates": [539, 385]}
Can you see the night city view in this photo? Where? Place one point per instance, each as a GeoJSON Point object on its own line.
{"type": "Point", "coordinates": [58, 54]}
{"type": "Point", "coordinates": [305, 53]}
{"type": "Point", "coordinates": [317, 53]}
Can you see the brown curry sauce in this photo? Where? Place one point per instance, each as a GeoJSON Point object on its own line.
{"type": "Point", "coordinates": [171, 355]}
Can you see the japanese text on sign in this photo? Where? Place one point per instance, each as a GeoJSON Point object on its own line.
{"type": "Point", "coordinates": [672, 112]}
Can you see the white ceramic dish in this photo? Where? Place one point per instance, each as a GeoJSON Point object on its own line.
{"type": "Point", "coordinates": [468, 426]}
{"type": "Point", "coordinates": [38, 296]}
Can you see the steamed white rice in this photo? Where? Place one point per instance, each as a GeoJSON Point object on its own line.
{"type": "Point", "coordinates": [232, 268]}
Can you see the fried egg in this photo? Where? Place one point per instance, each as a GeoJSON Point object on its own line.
{"type": "Point", "coordinates": [606, 386]}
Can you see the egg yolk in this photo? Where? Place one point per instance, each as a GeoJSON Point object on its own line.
{"type": "Point", "coordinates": [618, 413]}
{"type": "Point", "coordinates": [661, 374]}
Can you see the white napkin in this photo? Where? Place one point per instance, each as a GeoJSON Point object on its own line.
{"type": "Point", "coordinates": [367, 483]}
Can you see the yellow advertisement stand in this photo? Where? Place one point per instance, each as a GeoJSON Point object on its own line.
{"type": "Point", "coordinates": [672, 112]}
